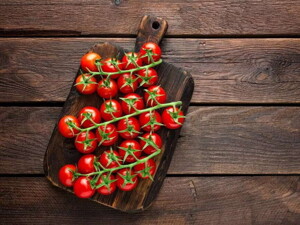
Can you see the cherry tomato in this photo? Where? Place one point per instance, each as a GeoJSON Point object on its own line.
{"type": "Point", "coordinates": [87, 115]}
{"type": "Point", "coordinates": [110, 159]}
{"type": "Point", "coordinates": [150, 47]}
{"type": "Point", "coordinates": [148, 77]}
{"type": "Point", "coordinates": [107, 135]}
{"type": "Point", "coordinates": [154, 138]}
{"type": "Point", "coordinates": [130, 60]}
{"type": "Point", "coordinates": [108, 184]}
{"type": "Point", "coordinates": [110, 109]}
{"type": "Point", "coordinates": [171, 118]}
{"type": "Point", "coordinates": [82, 188]}
{"type": "Point", "coordinates": [128, 148]}
{"type": "Point", "coordinates": [129, 128]}
{"type": "Point", "coordinates": [126, 180]}
{"type": "Point", "coordinates": [86, 164]}
{"type": "Point", "coordinates": [155, 94]}
{"type": "Point", "coordinates": [86, 142]}
{"type": "Point", "coordinates": [112, 65]}
{"type": "Point", "coordinates": [88, 62]}
{"type": "Point", "coordinates": [145, 170]}
{"type": "Point", "coordinates": [150, 121]}
{"type": "Point", "coordinates": [66, 175]}
{"type": "Point", "coordinates": [132, 101]}
{"type": "Point", "coordinates": [127, 83]}
{"type": "Point", "coordinates": [107, 88]}
{"type": "Point", "coordinates": [86, 84]}
{"type": "Point", "coordinates": [65, 126]}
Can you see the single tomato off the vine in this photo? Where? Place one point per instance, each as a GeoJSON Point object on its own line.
{"type": "Point", "coordinates": [107, 135]}
{"type": "Point", "coordinates": [66, 175]}
{"type": "Point", "coordinates": [150, 121]}
{"type": "Point", "coordinates": [130, 150]}
{"type": "Point", "coordinates": [150, 48]}
{"type": "Point", "coordinates": [88, 62]}
{"type": "Point", "coordinates": [150, 142]}
{"type": "Point", "coordinates": [86, 142]}
{"type": "Point", "coordinates": [88, 116]}
{"type": "Point", "coordinates": [129, 128]}
{"type": "Point", "coordinates": [172, 118]}
{"type": "Point", "coordinates": [145, 170]}
{"type": "Point", "coordinates": [86, 84]}
{"type": "Point", "coordinates": [107, 184]}
{"type": "Point", "coordinates": [110, 109]}
{"type": "Point", "coordinates": [67, 126]}
{"type": "Point", "coordinates": [154, 95]}
{"type": "Point", "coordinates": [82, 188]}
{"type": "Point", "coordinates": [86, 164]}
{"type": "Point", "coordinates": [131, 102]}
{"type": "Point", "coordinates": [126, 179]}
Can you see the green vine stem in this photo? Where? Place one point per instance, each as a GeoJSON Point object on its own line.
{"type": "Point", "coordinates": [124, 71]}
{"type": "Point", "coordinates": [130, 115]}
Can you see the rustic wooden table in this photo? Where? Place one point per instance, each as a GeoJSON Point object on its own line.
{"type": "Point", "coordinates": [238, 158]}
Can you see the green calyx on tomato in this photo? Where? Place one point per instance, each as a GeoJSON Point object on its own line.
{"type": "Point", "coordinates": [128, 178]}
{"type": "Point", "coordinates": [86, 80]}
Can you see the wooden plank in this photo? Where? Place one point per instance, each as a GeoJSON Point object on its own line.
{"type": "Point", "coordinates": [224, 70]}
{"type": "Point", "coordinates": [100, 17]}
{"type": "Point", "coordinates": [214, 140]}
{"type": "Point", "coordinates": [190, 200]}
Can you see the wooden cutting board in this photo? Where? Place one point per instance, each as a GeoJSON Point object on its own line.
{"type": "Point", "coordinates": [178, 84]}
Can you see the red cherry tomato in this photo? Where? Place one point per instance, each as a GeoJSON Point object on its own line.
{"type": "Point", "coordinates": [155, 94]}
{"type": "Point", "coordinates": [109, 184]}
{"type": "Point", "coordinates": [107, 135]}
{"type": "Point", "coordinates": [150, 121]}
{"type": "Point", "coordinates": [87, 115]}
{"type": "Point", "coordinates": [86, 142]}
{"type": "Point", "coordinates": [154, 139]}
{"type": "Point", "coordinates": [85, 84]}
{"type": "Point", "coordinates": [127, 83]}
{"type": "Point", "coordinates": [132, 101]}
{"type": "Point", "coordinates": [130, 60]}
{"type": "Point", "coordinates": [86, 164]}
{"type": "Point", "coordinates": [171, 118]}
{"type": "Point", "coordinates": [148, 77]}
{"type": "Point", "coordinates": [129, 128]}
{"type": "Point", "coordinates": [145, 170]}
{"type": "Point", "coordinates": [66, 175]}
{"type": "Point", "coordinates": [150, 47]}
{"type": "Point", "coordinates": [128, 148]}
{"type": "Point", "coordinates": [112, 65]}
{"type": "Point", "coordinates": [82, 188]}
{"type": "Point", "coordinates": [65, 126]}
{"type": "Point", "coordinates": [110, 109]}
{"type": "Point", "coordinates": [126, 180]}
{"type": "Point", "coordinates": [110, 159]}
{"type": "Point", "coordinates": [107, 88]}
{"type": "Point", "coordinates": [88, 62]}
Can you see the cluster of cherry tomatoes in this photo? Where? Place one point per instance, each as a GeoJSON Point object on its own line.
{"type": "Point", "coordinates": [109, 125]}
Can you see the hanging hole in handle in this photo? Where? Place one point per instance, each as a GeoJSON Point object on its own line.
{"type": "Point", "coordinates": [155, 25]}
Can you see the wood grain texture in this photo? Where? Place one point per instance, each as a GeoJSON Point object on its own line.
{"type": "Point", "coordinates": [214, 140]}
{"type": "Point", "coordinates": [182, 201]}
{"type": "Point", "coordinates": [224, 70]}
{"type": "Point", "coordinates": [119, 17]}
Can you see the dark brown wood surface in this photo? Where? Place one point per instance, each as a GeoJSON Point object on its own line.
{"type": "Point", "coordinates": [214, 140]}
{"type": "Point", "coordinates": [120, 17]}
{"type": "Point", "coordinates": [244, 57]}
{"type": "Point", "coordinates": [181, 201]}
{"type": "Point", "coordinates": [224, 70]}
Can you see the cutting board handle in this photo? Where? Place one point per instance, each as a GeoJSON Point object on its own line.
{"type": "Point", "coordinates": [151, 29]}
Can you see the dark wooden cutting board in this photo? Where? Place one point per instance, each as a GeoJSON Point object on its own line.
{"type": "Point", "coordinates": [178, 84]}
